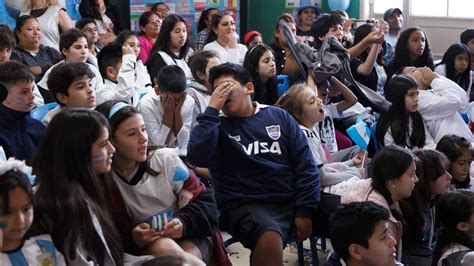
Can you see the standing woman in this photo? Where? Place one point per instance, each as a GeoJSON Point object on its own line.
{"type": "Point", "coordinates": [413, 49]}
{"type": "Point", "coordinates": [223, 39]}
{"type": "Point", "coordinates": [150, 25]}
{"type": "Point", "coordinates": [456, 66]}
{"type": "Point", "coordinates": [106, 16]}
{"type": "Point", "coordinates": [171, 48]}
{"type": "Point", "coordinates": [204, 26]}
{"type": "Point", "coordinates": [72, 190]}
{"type": "Point", "coordinates": [260, 63]}
{"type": "Point", "coordinates": [29, 50]}
{"type": "Point", "coordinates": [52, 18]}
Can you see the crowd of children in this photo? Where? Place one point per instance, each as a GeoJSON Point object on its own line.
{"type": "Point", "coordinates": [154, 147]}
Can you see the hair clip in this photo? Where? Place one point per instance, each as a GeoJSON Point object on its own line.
{"type": "Point", "coordinates": [16, 165]}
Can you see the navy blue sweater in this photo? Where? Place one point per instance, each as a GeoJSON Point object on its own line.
{"type": "Point", "coordinates": [263, 158]}
{"type": "Point", "coordinates": [19, 133]}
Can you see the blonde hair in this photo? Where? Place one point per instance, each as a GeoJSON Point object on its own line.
{"type": "Point", "coordinates": [27, 4]}
{"type": "Point", "coordinates": [291, 100]}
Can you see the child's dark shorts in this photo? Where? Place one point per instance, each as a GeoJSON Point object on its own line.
{"type": "Point", "coordinates": [248, 222]}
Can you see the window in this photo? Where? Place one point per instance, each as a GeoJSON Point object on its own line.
{"type": "Point", "coordinates": [442, 8]}
{"type": "Point", "coordinates": [380, 6]}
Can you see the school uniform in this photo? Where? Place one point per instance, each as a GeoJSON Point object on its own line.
{"type": "Point", "coordinates": [125, 88]}
{"type": "Point", "coordinates": [228, 55]}
{"type": "Point", "coordinates": [152, 111]}
{"type": "Point", "coordinates": [161, 59]}
{"type": "Point", "coordinates": [201, 96]}
{"type": "Point", "coordinates": [429, 142]}
{"type": "Point", "coordinates": [262, 167]}
{"type": "Point", "coordinates": [19, 133]}
{"type": "Point", "coordinates": [37, 250]}
{"type": "Point", "coordinates": [440, 106]}
{"type": "Point", "coordinates": [97, 82]}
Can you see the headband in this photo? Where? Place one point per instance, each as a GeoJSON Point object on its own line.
{"type": "Point", "coordinates": [17, 166]}
{"type": "Point", "coordinates": [117, 107]}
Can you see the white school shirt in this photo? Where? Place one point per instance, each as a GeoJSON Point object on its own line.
{"type": "Point", "coordinates": [97, 82]}
{"type": "Point", "coordinates": [440, 107]}
{"type": "Point", "coordinates": [152, 111]}
{"type": "Point", "coordinates": [142, 78]}
{"type": "Point", "coordinates": [231, 55]}
{"type": "Point", "coordinates": [429, 142]}
{"type": "Point", "coordinates": [125, 88]}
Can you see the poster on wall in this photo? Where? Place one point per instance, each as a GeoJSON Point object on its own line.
{"type": "Point", "coordinates": [188, 9]}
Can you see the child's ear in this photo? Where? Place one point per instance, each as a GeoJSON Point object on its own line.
{"type": "Point", "coordinates": [355, 252]}
{"type": "Point", "coordinates": [110, 72]}
{"type": "Point", "coordinates": [463, 226]}
{"type": "Point", "coordinates": [250, 87]}
{"type": "Point", "coordinates": [201, 76]}
{"type": "Point", "coordinates": [157, 90]}
{"type": "Point", "coordinates": [62, 98]}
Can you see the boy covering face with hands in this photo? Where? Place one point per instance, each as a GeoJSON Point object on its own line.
{"type": "Point", "coordinates": [168, 113]}
{"type": "Point", "coordinates": [265, 179]}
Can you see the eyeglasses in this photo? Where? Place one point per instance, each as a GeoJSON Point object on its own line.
{"type": "Point", "coordinates": [155, 21]}
{"type": "Point", "coordinates": [89, 30]}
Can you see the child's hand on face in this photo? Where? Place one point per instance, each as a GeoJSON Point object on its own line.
{"type": "Point", "coordinates": [143, 234]}
{"type": "Point", "coordinates": [173, 229]}
{"type": "Point", "coordinates": [126, 49]}
{"type": "Point", "coordinates": [427, 76]}
{"type": "Point", "coordinates": [168, 102]}
{"type": "Point", "coordinates": [179, 103]}
{"type": "Point", "coordinates": [220, 95]}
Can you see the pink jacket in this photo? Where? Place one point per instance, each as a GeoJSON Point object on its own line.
{"type": "Point", "coordinates": [363, 191]}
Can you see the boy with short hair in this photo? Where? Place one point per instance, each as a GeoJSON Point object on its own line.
{"type": "Point", "coordinates": [359, 234]}
{"type": "Point", "coordinates": [168, 113]}
{"type": "Point", "coordinates": [19, 134]}
{"type": "Point", "coordinates": [117, 67]}
{"type": "Point", "coordinates": [264, 175]}
{"type": "Point", "coordinates": [71, 86]}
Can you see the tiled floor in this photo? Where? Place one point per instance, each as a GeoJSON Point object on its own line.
{"type": "Point", "coordinates": [240, 255]}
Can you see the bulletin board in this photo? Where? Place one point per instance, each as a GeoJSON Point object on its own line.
{"type": "Point", "coordinates": [189, 10]}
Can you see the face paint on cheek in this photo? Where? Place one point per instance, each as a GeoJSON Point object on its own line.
{"type": "Point", "coordinates": [98, 158]}
{"type": "Point", "coordinates": [18, 100]}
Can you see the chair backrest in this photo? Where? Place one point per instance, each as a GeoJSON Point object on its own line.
{"type": "Point", "coordinates": [373, 130]}
{"type": "Point", "coordinates": [283, 84]}
{"type": "Point", "coordinates": [40, 112]}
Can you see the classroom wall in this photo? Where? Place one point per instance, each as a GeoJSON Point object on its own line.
{"type": "Point", "coordinates": [262, 14]}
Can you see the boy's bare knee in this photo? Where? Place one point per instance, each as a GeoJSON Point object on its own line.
{"type": "Point", "coordinates": [270, 240]}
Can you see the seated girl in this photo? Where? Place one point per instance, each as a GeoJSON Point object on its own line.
{"type": "Point", "coordinates": [458, 150]}
{"type": "Point", "coordinates": [419, 209]}
{"type": "Point", "coordinates": [456, 66]}
{"type": "Point", "coordinates": [156, 188]}
{"type": "Point", "coordinates": [402, 124]}
{"type": "Point", "coordinates": [303, 104]}
{"type": "Point", "coordinates": [260, 63]}
{"type": "Point", "coordinates": [71, 201]}
{"type": "Point", "coordinates": [455, 220]}
{"type": "Point", "coordinates": [16, 214]}
{"type": "Point", "coordinates": [393, 179]}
